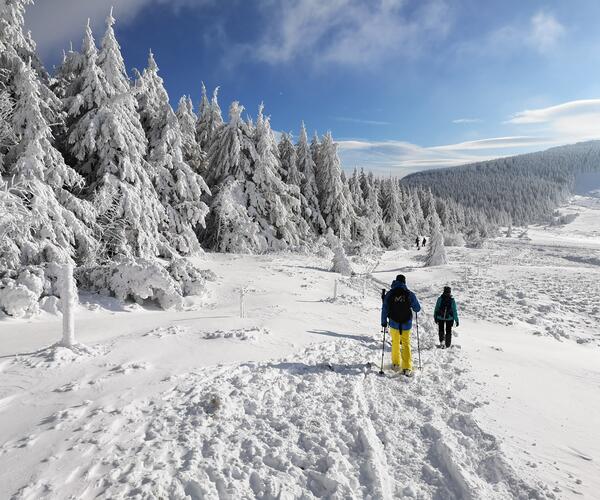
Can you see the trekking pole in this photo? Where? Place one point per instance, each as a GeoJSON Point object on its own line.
{"type": "Point", "coordinates": [418, 343]}
{"type": "Point", "coordinates": [383, 330]}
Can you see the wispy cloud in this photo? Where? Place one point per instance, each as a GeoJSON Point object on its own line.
{"type": "Point", "coordinates": [542, 34]}
{"type": "Point", "coordinates": [349, 32]}
{"type": "Point", "coordinates": [359, 120]}
{"type": "Point", "coordinates": [551, 126]}
{"type": "Point", "coordinates": [55, 23]}
{"type": "Point", "coordinates": [496, 143]}
{"type": "Point", "coordinates": [545, 115]}
{"type": "Point", "coordinates": [461, 121]}
{"type": "Point", "coordinates": [545, 31]}
{"type": "Point", "coordinates": [570, 121]}
{"type": "Point", "coordinates": [401, 158]}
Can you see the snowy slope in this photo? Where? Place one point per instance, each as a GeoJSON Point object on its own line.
{"type": "Point", "coordinates": [205, 404]}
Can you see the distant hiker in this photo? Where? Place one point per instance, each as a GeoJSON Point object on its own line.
{"type": "Point", "coordinates": [418, 242]}
{"type": "Point", "coordinates": [445, 315]}
{"type": "Point", "coordinates": [398, 305]}
{"type": "Point", "coordinates": [424, 242]}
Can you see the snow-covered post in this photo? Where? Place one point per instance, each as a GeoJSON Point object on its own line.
{"type": "Point", "coordinates": [364, 287]}
{"type": "Point", "coordinates": [335, 289]}
{"type": "Point", "coordinates": [67, 296]}
{"type": "Point", "coordinates": [242, 308]}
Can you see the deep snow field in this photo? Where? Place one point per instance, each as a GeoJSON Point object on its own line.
{"type": "Point", "coordinates": [281, 403]}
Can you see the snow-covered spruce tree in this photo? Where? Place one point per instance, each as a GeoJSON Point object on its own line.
{"type": "Point", "coordinates": [356, 192]}
{"type": "Point", "coordinates": [7, 136]}
{"type": "Point", "coordinates": [294, 178]}
{"type": "Point", "coordinates": [436, 252]}
{"type": "Point", "coordinates": [308, 186]}
{"type": "Point", "coordinates": [391, 212]}
{"type": "Point", "coordinates": [340, 263]}
{"type": "Point", "coordinates": [372, 214]}
{"type": "Point", "coordinates": [335, 208]}
{"type": "Point", "coordinates": [107, 141]}
{"type": "Point", "coordinates": [289, 160]}
{"type": "Point", "coordinates": [192, 152]}
{"type": "Point", "coordinates": [40, 175]}
{"type": "Point", "coordinates": [274, 205]}
{"type": "Point", "coordinates": [231, 229]}
{"type": "Point", "coordinates": [178, 187]}
{"type": "Point", "coordinates": [16, 45]}
{"type": "Point", "coordinates": [230, 159]}
{"type": "Point", "coordinates": [209, 119]}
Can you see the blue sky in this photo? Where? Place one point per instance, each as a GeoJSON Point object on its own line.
{"type": "Point", "coordinates": [402, 84]}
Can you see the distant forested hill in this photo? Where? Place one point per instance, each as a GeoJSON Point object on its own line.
{"type": "Point", "coordinates": [519, 189]}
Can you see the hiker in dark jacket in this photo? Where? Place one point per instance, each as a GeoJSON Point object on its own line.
{"type": "Point", "coordinates": [418, 242]}
{"type": "Point", "coordinates": [424, 242]}
{"type": "Point", "coordinates": [398, 305]}
{"type": "Point", "coordinates": [445, 315]}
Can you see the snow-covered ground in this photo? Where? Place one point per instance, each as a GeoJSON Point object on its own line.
{"type": "Point", "coordinates": [282, 404]}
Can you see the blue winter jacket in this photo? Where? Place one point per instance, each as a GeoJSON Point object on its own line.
{"type": "Point", "coordinates": [414, 305]}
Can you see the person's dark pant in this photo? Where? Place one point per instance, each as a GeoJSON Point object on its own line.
{"type": "Point", "coordinates": [447, 336]}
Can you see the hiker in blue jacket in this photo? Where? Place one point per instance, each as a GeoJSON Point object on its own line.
{"type": "Point", "coordinates": [398, 305]}
{"type": "Point", "coordinates": [445, 315]}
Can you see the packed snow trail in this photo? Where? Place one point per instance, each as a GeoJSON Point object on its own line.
{"type": "Point", "coordinates": [282, 429]}
{"type": "Point", "coordinates": [164, 402]}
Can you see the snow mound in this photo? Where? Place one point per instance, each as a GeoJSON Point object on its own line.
{"type": "Point", "coordinates": [253, 333]}
{"type": "Point", "coordinates": [166, 331]}
{"type": "Point", "coordinates": [58, 355]}
{"type": "Point", "coordinates": [344, 299]}
{"type": "Point", "coordinates": [125, 368]}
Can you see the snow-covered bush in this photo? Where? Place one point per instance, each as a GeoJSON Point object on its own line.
{"type": "Point", "coordinates": [21, 290]}
{"type": "Point", "coordinates": [191, 278]}
{"type": "Point", "coordinates": [33, 279]}
{"type": "Point", "coordinates": [340, 263]}
{"type": "Point", "coordinates": [321, 248]}
{"type": "Point", "coordinates": [454, 240]}
{"type": "Point", "coordinates": [16, 299]}
{"type": "Point", "coordinates": [138, 279]}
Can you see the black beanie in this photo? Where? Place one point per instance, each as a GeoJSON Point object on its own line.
{"type": "Point", "coordinates": [401, 278]}
{"type": "Point", "coordinates": [447, 290]}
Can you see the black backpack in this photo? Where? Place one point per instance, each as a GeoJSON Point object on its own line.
{"type": "Point", "coordinates": [399, 305]}
{"type": "Point", "coordinates": [445, 310]}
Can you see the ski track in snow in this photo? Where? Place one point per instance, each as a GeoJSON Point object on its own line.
{"type": "Point", "coordinates": [284, 429]}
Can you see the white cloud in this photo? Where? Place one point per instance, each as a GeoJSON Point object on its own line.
{"type": "Point", "coordinates": [496, 143]}
{"type": "Point", "coordinates": [564, 123]}
{"type": "Point", "coordinates": [349, 32]}
{"type": "Point", "coordinates": [401, 158]}
{"type": "Point", "coordinates": [545, 31]}
{"type": "Point", "coordinates": [360, 120]}
{"type": "Point", "coordinates": [55, 23]}
{"type": "Point", "coordinates": [460, 121]}
{"type": "Point", "coordinates": [568, 122]}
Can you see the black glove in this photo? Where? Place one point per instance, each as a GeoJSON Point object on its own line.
{"type": "Point", "coordinates": [436, 321]}
{"type": "Point", "coordinates": [456, 323]}
{"type": "Point", "coordinates": [383, 325]}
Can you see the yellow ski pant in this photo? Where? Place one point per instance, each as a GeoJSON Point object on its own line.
{"type": "Point", "coordinates": [399, 339]}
